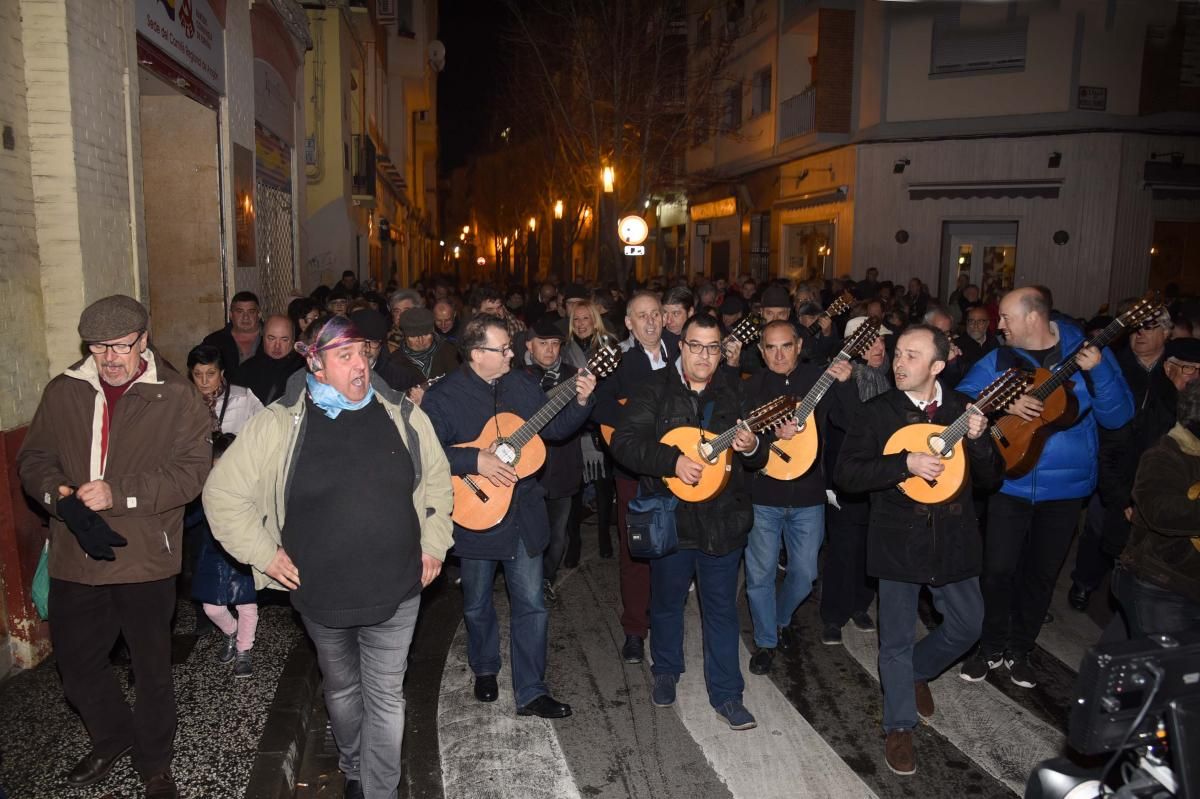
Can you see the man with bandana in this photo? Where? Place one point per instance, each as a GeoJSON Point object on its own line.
{"type": "Point", "coordinates": [340, 494]}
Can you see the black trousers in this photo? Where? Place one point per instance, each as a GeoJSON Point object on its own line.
{"type": "Point", "coordinates": [845, 587]}
{"type": "Point", "coordinates": [1023, 551]}
{"type": "Point", "coordinates": [606, 492]}
{"type": "Point", "coordinates": [85, 624]}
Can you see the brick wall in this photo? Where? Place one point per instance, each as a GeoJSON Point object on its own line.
{"type": "Point", "coordinates": [835, 70]}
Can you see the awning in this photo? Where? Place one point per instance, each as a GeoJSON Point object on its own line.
{"type": "Point", "coordinates": [816, 198]}
{"type": "Point", "coordinates": [993, 190]}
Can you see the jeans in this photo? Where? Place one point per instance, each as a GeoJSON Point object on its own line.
{"type": "Point", "coordinates": [845, 587]}
{"type": "Point", "coordinates": [87, 621]}
{"type": "Point", "coordinates": [559, 512]}
{"type": "Point", "coordinates": [363, 671]}
{"type": "Point", "coordinates": [1091, 561]}
{"type": "Point", "coordinates": [901, 664]}
{"type": "Point", "coordinates": [1023, 551]}
{"type": "Point", "coordinates": [634, 573]}
{"type": "Point", "coordinates": [717, 584]}
{"type": "Point", "coordinates": [1149, 609]}
{"type": "Point", "coordinates": [801, 530]}
{"type": "Point", "coordinates": [528, 618]}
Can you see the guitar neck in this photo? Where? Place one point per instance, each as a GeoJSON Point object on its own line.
{"type": "Point", "coordinates": [958, 428]}
{"type": "Point", "coordinates": [815, 327]}
{"type": "Point", "coordinates": [818, 391]}
{"type": "Point", "coordinates": [559, 396]}
{"type": "Point", "coordinates": [1068, 367]}
{"type": "Point", "coordinates": [725, 440]}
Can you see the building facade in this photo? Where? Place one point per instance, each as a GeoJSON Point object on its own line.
{"type": "Point", "coordinates": [148, 149]}
{"type": "Point", "coordinates": [1018, 143]}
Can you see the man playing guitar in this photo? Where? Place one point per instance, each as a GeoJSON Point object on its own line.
{"type": "Point", "coordinates": [1031, 521]}
{"type": "Point", "coordinates": [910, 544]}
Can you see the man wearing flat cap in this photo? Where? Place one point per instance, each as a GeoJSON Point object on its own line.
{"type": "Point", "coordinates": [119, 445]}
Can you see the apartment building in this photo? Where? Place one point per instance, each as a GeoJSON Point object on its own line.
{"type": "Point", "coordinates": [1018, 142]}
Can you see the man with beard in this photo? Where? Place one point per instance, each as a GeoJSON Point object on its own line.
{"type": "Point", "coordinates": [267, 373]}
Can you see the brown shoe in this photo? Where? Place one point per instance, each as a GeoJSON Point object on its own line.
{"type": "Point", "coordinates": [924, 699]}
{"type": "Point", "coordinates": [898, 752]}
{"type": "Point", "coordinates": [161, 786]}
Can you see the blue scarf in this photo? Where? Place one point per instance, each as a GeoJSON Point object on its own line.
{"type": "Point", "coordinates": [332, 401]}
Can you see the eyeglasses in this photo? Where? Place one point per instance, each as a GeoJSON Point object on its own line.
{"type": "Point", "coordinates": [1148, 326]}
{"type": "Point", "coordinates": [500, 350]}
{"type": "Point", "coordinates": [120, 349]}
{"type": "Point", "coordinates": [977, 321]}
{"type": "Point", "coordinates": [697, 347]}
{"type": "Point", "coordinates": [1185, 369]}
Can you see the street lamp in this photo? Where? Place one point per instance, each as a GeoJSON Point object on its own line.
{"type": "Point", "coordinates": [466, 229]}
{"type": "Point", "coordinates": [532, 225]}
{"type": "Point", "coordinates": [608, 178]}
{"type": "Point", "coordinates": [558, 209]}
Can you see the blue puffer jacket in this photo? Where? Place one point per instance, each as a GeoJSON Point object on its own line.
{"type": "Point", "coordinates": [1068, 466]}
{"type": "Point", "coordinates": [459, 405]}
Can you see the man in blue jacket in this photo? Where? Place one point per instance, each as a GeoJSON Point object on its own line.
{"type": "Point", "coordinates": [1033, 518]}
{"type": "Point", "coordinates": [460, 406]}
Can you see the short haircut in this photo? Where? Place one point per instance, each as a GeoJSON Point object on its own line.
{"type": "Point", "coordinates": [484, 294]}
{"type": "Point", "coordinates": [205, 354]}
{"type": "Point", "coordinates": [780, 324]}
{"type": "Point", "coordinates": [405, 294]}
{"type": "Point", "coordinates": [244, 296]}
{"type": "Point", "coordinates": [637, 295]}
{"type": "Point", "coordinates": [941, 342]}
{"type": "Point", "coordinates": [1047, 296]}
{"type": "Point", "coordinates": [933, 313]}
{"type": "Point", "coordinates": [680, 295]}
{"type": "Point", "coordinates": [1036, 302]}
{"type": "Point", "coordinates": [700, 321]}
{"type": "Point", "coordinates": [474, 333]}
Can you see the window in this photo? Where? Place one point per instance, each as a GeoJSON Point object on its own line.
{"type": "Point", "coordinates": [760, 99]}
{"type": "Point", "coordinates": [958, 50]}
{"type": "Point", "coordinates": [731, 113]}
{"type": "Point", "coordinates": [760, 246]}
{"type": "Point", "coordinates": [704, 29]}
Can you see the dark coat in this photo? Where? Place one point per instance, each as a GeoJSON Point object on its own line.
{"type": "Point", "coordinates": [664, 402]}
{"type": "Point", "coordinates": [445, 359]}
{"type": "Point", "coordinates": [230, 355]}
{"type": "Point", "coordinates": [267, 377]}
{"type": "Point", "coordinates": [459, 406]}
{"type": "Point", "coordinates": [563, 473]}
{"type": "Point", "coordinates": [217, 579]}
{"type": "Point", "coordinates": [973, 351]}
{"type": "Point", "coordinates": [907, 541]}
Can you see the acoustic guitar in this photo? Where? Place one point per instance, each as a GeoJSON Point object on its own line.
{"type": "Point", "coordinates": [836, 308]}
{"type": "Point", "coordinates": [747, 330]}
{"type": "Point", "coordinates": [794, 457]}
{"type": "Point", "coordinates": [1021, 442]}
{"type": "Point", "coordinates": [947, 442]}
{"type": "Point", "coordinates": [480, 505]}
{"type": "Point", "coordinates": [714, 452]}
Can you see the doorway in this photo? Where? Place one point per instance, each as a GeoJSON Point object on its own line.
{"type": "Point", "coordinates": [808, 251]}
{"type": "Point", "coordinates": [986, 252]}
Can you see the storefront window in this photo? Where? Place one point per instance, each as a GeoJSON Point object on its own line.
{"type": "Point", "coordinates": [808, 251]}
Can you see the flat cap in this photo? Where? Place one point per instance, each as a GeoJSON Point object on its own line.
{"type": "Point", "coordinates": [112, 317]}
{"type": "Point", "coordinates": [417, 322]}
{"type": "Point", "coordinates": [775, 297]}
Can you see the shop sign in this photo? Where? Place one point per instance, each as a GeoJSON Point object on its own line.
{"type": "Point", "coordinates": [714, 209]}
{"type": "Point", "coordinates": [1093, 98]}
{"type": "Point", "coordinates": [188, 32]}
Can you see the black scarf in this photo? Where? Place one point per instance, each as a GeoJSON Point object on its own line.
{"type": "Point", "coordinates": [423, 359]}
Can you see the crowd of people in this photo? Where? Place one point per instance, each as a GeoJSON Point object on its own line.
{"type": "Point", "coordinates": [335, 450]}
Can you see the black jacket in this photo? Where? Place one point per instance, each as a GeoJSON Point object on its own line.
{"type": "Point", "coordinates": [267, 377]}
{"type": "Point", "coordinates": [563, 473]}
{"type": "Point", "coordinates": [908, 541]}
{"type": "Point", "coordinates": [664, 402]}
{"type": "Point", "coordinates": [223, 340]}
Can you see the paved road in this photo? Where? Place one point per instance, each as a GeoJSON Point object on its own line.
{"type": "Point", "coordinates": [819, 716]}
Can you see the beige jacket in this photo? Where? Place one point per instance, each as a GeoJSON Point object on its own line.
{"type": "Point", "coordinates": [245, 499]}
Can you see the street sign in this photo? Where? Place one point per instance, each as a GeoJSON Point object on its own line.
{"type": "Point", "coordinates": [635, 249]}
{"type": "Point", "coordinates": [632, 229]}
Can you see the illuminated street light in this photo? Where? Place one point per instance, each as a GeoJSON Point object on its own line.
{"type": "Point", "coordinates": [608, 177]}
{"type": "Point", "coordinates": [466, 229]}
{"type": "Point", "coordinates": [558, 209]}
{"type": "Point", "coordinates": [441, 243]}
{"type": "Point", "coordinates": [455, 252]}
{"type": "Point", "coordinates": [532, 224]}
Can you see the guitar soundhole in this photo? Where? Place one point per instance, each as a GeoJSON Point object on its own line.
{"type": "Point", "coordinates": [705, 451]}
{"type": "Point", "coordinates": [937, 445]}
{"type": "Point", "coordinates": [507, 453]}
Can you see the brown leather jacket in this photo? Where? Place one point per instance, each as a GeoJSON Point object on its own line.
{"type": "Point", "coordinates": [159, 454]}
{"type": "Point", "coordinates": [1165, 522]}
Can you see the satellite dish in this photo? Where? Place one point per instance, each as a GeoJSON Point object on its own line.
{"type": "Point", "coordinates": [437, 55]}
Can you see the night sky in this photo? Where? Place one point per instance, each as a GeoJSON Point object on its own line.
{"type": "Point", "coordinates": [474, 32]}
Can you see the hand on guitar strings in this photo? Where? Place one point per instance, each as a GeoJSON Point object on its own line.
{"type": "Point", "coordinates": [1026, 406]}
{"type": "Point", "coordinates": [744, 440]}
{"type": "Point", "coordinates": [1088, 358]}
{"type": "Point", "coordinates": [688, 470]}
{"type": "Point", "coordinates": [841, 371]}
{"type": "Point", "coordinates": [976, 424]}
{"type": "Point", "coordinates": [585, 384]}
{"type": "Point", "coordinates": [733, 351]}
{"type": "Point", "coordinates": [924, 465]}
{"type": "Point", "coordinates": [826, 324]}
{"type": "Point", "coordinates": [497, 471]}
{"type": "Point", "coordinates": [786, 432]}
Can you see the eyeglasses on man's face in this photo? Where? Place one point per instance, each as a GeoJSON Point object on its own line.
{"type": "Point", "coordinates": [1186, 369]}
{"type": "Point", "coordinates": [507, 348]}
{"type": "Point", "coordinates": [122, 348]}
{"type": "Point", "coordinates": [699, 347]}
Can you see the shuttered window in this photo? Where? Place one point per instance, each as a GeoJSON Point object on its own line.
{"type": "Point", "coordinates": [958, 50]}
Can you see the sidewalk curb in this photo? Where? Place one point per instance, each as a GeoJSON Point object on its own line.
{"type": "Point", "coordinates": [273, 774]}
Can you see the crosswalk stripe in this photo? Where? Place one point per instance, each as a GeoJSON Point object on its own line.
{"type": "Point", "coordinates": [1001, 737]}
{"type": "Point", "coordinates": [486, 749]}
{"type": "Point", "coordinates": [783, 757]}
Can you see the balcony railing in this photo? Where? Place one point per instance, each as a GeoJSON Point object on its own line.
{"type": "Point", "coordinates": [797, 115]}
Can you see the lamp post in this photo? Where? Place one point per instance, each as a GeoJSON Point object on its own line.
{"type": "Point", "coordinates": [606, 225]}
{"type": "Point", "coordinates": [556, 243]}
{"type": "Point", "coordinates": [532, 251]}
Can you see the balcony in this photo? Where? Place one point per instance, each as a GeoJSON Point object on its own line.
{"type": "Point", "coordinates": [798, 115]}
{"type": "Point", "coordinates": [363, 175]}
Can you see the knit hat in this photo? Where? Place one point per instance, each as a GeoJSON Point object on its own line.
{"type": "Point", "coordinates": [775, 297]}
{"type": "Point", "coordinates": [546, 327]}
{"type": "Point", "coordinates": [112, 317]}
{"type": "Point", "coordinates": [1184, 349]}
{"type": "Point", "coordinates": [417, 322]}
{"type": "Point", "coordinates": [370, 323]}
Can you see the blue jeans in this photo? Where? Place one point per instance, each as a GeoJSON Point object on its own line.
{"type": "Point", "coordinates": [801, 530]}
{"type": "Point", "coordinates": [716, 584]}
{"type": "Point", "coordinates": [527, 622]}
{"type": "Point", "coordinates": [901, 664]}
{"type": "Point", "coordinates": [1149, 609]}
{"type": "Point", "coordinates": [363, 670]}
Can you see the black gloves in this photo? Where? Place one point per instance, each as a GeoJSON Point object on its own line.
{"type": "Point", "coordinates": [95, 536]}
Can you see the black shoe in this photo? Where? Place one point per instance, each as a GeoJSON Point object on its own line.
{"type": "Point", "coordinates": [831, 635]}
{"type": "Point", "coordinates": [760, 662]}
{"type": "Point", "coordinates": [786, 640]}
{"type": "Point", "coordinates": [1078, 597]}
{"type": "Point", "coordinates": [545, 707]}
{"type": "Point", "coordinates": [633, 650]}
{"type": "Point", "coordinates": [161, 786]}
{"type": "Point", "coordinates": [93, 768]}
{"type": "Point", "coordinates": [606, 550]}
{"type": "Point", "coordinates": [486, 689]}
{"type": "Point", "coordinates": [353, 790]}
{"type": "Point", "coordinates": [863, 622]}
